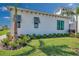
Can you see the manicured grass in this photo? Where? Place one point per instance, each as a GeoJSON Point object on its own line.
{"type": "Point", "coordinates": [3, 32]}
{"type": "Point", "coordinates": [23, 51]}
{"type": "Point", "coordinates": [47, 47]}
{"type": "Point", "coordinates": [56, 46]}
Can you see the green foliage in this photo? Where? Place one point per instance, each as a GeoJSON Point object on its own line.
{"type": "Point", "coordinates": [58, 35]}
{"type": "Point", "coordinates": [38, 36]}
{"type": "Point", "coordinates": [50, 35]}
{"type": "Point", "coordinates": [72, 34]}
{"type": "Point", "coordinates": [55, 47]}
{"type": "Point", "coordinates": [51, 47]}
{"type": "Point", "coordinates": [44, 36]}
{"type": "Point", "coordinates": [5, 42]}
{"type": "Point", "coordinates": [77, 35]}
{"type": "Point", "coordinates": [66, 35]}
{"type": "Point", "coordinates": [25, 37]}
{"type": "Point", "coordinates": [77, 10]}
{"type": "Point", "coordinates": [33, 36]}
{"type": "Point", "coordinates": [23, 40]}
{"type": "Point", "coordinates": [2, 32]}
{"type": "Point", "coordinates": [54, 35]}
{"type": "Point", "coordinates": [13, 44]}
{"type": "Point", "coordinates": [19, 52]}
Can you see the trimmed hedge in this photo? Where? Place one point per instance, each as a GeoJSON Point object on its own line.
{"type": "Point", "coordinates": [77, 35]}
{"type": "Point", "coordinates": [33, 36]}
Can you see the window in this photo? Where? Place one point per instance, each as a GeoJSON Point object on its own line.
{"type": "Point", "coordinates": [60, 25]}
{"type": "Point", "coordinates": [18, 25]}
{"type": "Point", "coordinates": [35, 25]}
{"type": "Point", "coordinates": [18, 18]}
{"type": "Point", "coordinates": [36, 22]}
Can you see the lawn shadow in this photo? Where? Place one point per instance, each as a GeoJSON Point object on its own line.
{"type": "Point", "coordinates": [58, 51]}
{"type": "Point", "coordinates": [26, 53]}
{"type": "Point", "coordinates": [41, 43]}
{"type": "Point", "coordinates": [29, 52]}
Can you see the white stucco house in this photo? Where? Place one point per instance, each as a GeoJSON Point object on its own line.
{"type": "Point", "coordinates": [63, 11]}
{"type": "Point", "coordinates": [36, 22]}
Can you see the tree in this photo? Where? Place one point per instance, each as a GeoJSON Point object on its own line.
{"type": "Point", "coordinates": [14, 21]}
{"type": "Point", "coordinates": [15, 24]}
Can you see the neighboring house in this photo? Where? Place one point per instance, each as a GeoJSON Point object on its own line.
{"type": "Point", "coordinates": [70, 13]}
{"type": "Point", "coordinates": [36, 22]}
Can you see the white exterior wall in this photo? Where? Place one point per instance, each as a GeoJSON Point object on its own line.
{"type": "Point", "coordinates": [73, 22]}
{"type": "Point", "coordinates": [47, 25]}
{"type": "Point", "coordinates": [78, 24]}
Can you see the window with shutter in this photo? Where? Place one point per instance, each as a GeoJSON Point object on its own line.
{"type": "Point", "coordinates": [36, 22]}
{"type": "Point", "coordinates": [60, 25]}
{"type": "Point", "coordinates": [18, 19]}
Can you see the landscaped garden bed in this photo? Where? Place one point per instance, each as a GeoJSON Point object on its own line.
{"type": "Point", "coordinates": [47, 47]}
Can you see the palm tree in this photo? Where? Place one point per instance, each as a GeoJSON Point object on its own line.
{"type": "Point", "coordinates": [69, 13]}
{"type": "Point", "coordinates": [15, 24]}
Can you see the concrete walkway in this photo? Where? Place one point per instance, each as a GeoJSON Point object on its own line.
{"type": "Point", "coordinates": [2, 37]}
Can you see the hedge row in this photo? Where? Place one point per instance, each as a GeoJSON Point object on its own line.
{"type": "Point", "coordinates": [34, 36]}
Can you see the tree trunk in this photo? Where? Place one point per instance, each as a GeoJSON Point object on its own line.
{"type": "Point", "coordinates": [15, 24]}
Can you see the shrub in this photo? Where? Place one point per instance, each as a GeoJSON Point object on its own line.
{"type": "Point", "coordinates": [23, 40]}
{"type": "Point", "coordinates": [25, 37]}
{"type": "Point", "coordinates": [54, 35]}
{"type": "Point", "coordinates": [58, 35]}
{"type": "Point", "coordinates": [50, 35]}
{"type": "Point", "coordinates": [5, 42]}
{"type": "Point", "coordinates": [44, 36]}
{"type": "Point", "coordinates": [13, 44]}
{"type": "Point", "coordinates": [19, 41]}
{"type": "Point", "coordinates": [33, 36]}
{"type": "Point", "coordinates": [66, 35]}
{"type": "Point", "coordinates": [21, 36]}
{"type": "Point", "coordinates": [9, 36]}
{"type": "Point", "coordinates": [62, 35]}
{"type": "Point", "coordinates": [77, 35]}
{"type": "Point", "coordinates": [38, 36]}
{"type": "Point", "coordinates": [72, 35]}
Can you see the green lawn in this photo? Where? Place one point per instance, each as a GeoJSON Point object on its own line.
{"type": "Point", "coordinates": [47, 47]}
{"type": "Point", "coordinates": [23, 51]}
{"type": "Point", "coordinates": [3, 32]}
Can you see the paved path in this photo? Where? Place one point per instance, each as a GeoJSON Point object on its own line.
{"type": "Point", "coordinates": [2, 37]}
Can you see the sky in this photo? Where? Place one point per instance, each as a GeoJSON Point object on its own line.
{"type": "Point", "coordinates": [44, 7]}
